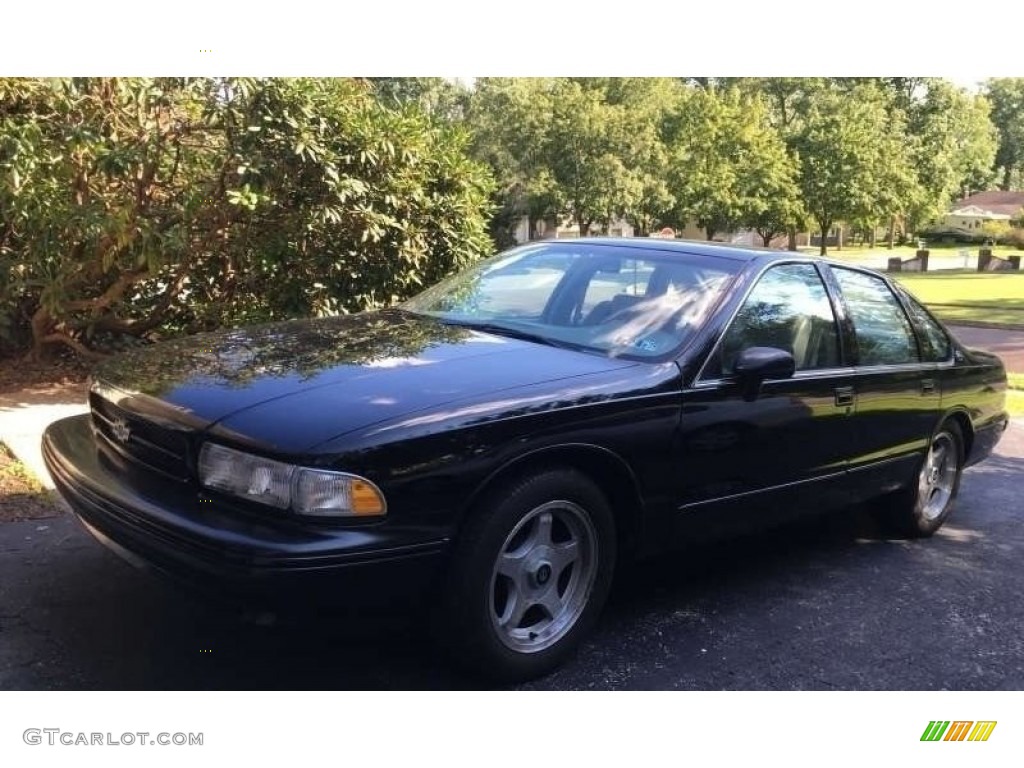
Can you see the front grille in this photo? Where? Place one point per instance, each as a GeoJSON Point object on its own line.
{"type": "Point", "coordinates": [159, 448]}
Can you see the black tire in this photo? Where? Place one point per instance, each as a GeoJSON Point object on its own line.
{"type": "Point", "coordinates": [922, 508]}
{"type": "Point", "coordinates": [505, 532]}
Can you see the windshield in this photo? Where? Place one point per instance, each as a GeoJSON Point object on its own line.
{"type": "Point", "coordinates": [617, 300]}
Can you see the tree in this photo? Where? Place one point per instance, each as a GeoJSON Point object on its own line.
{"type": "Point", "coordinates": [587, 149]}
{"type": "Point", "coordinates": [729, 167]}
{"type": "Point", "coordinates": [1006, 96]}
{"type": "Point", "coordinates": [996, 231]}
{"type": "Point", "coordinates": [787, 99]}
{"type": "Point", "coordinates": [509, 121]}
{"type": "Point", "coordinates": [953, 147]}
{"type": "Point", "coordinates": [648, 103]}
{"type": "Point", "coordinates": [852, 161]}
{"type": "Point", "coordinates": [441, 98]}
{"type": "Point", "coordinates": [138, 205]}
{"type": "Point", "coordinates": [591, 154]}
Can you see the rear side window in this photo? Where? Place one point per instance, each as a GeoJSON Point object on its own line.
{"type": "Point", "coordinates": [884, 335]}
{"type": "Point", "coordinates": [935, 346]}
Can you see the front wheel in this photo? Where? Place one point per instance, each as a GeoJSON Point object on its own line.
{"type": "Point", "coordinates": [925, 506]}
{"type": "Point", "coordinates": [530, 576]}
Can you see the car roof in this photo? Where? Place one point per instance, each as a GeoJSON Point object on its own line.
{"type": "Point", "coordinates": [744, 253]}
{"type": "Point", "coordinates": [696, 247]}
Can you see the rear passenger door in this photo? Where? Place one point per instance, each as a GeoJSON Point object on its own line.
{"type": "Point", "coordinates": [896, 387]}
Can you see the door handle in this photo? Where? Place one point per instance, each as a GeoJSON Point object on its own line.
{"type": "Point", "coordinates": [844, 396]}
{"type": "Point", "coordinates": [927, 386]}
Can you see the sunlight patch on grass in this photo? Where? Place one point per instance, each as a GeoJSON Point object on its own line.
{"type": "Point", "coordinates": [14, 472]}
{"type": "Point", "coordinates": [974, 296]}
{"type": "Point", "coordinates": [1015, 402]}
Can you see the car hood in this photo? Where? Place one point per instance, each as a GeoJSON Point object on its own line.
{"type": "Point", "coordinates": [287, 387]}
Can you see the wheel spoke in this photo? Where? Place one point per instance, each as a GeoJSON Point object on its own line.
{"type": "Point", "coordinates": [515, 607]}
{"type": "Point", "coordinates": [552, 603]}
{"type": "Point", "coordinates": [563, 555]}
{"type": "Point", "coordinates": [511, 564]}
{"type": "Point", "coordinates": [542, 534]}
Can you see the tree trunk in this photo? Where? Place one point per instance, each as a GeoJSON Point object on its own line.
{"type": "Point", "coordinates": [767, 238]}
{"type": "Point", "coordinates": [892, 233]}
{"type": "Point", "coordinates": [41, 321]}
{"type": "Point", "coordinates": [825, 226]}
{"type": "Point", "coordinates": [44, 335]}
{"type": "Point", "coordinates": [710, 232]}
{"type": "Point", "coordinates": [839, 237]}
{"type": "Point", "coordinates": [584, 227]}
{"type": "Point", "coordinates": [792, 238]}
{"type": "Point", "coordinates": [1007, 177]}
{"type": "Point", "coordinates": [874, 235]}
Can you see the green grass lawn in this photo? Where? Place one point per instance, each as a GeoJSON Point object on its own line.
{"type": "Point", "coordinates": [907, 251]}
{"type": "Point", "coordinates": [953, 295]}
{"type": "Point", "coordinates": [1015, 394]}
{"type": "Point", "coordinates": [1015, 402]}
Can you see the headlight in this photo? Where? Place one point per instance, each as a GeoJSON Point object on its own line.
{"type": "Point", "coordinates": [313, 492]}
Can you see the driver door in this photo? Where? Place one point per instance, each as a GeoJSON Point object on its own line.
{"type": "Point", "coordinates": [747, 462]}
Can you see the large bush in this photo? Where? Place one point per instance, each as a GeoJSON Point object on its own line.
{"type": "Point", "coordinates": [137, 206]}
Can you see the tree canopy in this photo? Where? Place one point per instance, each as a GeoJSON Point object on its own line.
{"type": "Point", "coordinates": [138, 205]}
{"type": "Point", "coordinates": [141, 207]}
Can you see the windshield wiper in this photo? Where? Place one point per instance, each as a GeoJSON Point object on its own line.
{"type": "Point", "coordinates": [515, 333]}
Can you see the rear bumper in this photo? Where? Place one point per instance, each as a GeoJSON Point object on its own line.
{"type": "Point", "coordinates": [161, 525]}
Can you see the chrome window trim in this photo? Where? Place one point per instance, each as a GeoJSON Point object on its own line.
{"type": "Point", "coordinates": [809, 374]}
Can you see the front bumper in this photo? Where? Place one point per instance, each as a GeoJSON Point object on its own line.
{"type": "Point", "coordinates": [170, 527]}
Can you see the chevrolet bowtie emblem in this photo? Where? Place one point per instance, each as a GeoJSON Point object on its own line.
{"type": "Point", "coordinates": [121, 430]}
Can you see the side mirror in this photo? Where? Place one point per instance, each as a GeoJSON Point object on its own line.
{"type": "Point", "coordinates": [756, 364]}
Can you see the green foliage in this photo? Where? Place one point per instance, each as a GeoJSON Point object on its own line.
{"type": "Point", "coordinates": [1006, 96]}
{"type": "Point", "coordinates": [443, 99]}
{"type": "Point", "coordinates": [729, 167]}
{"type": "Point", "coordinates": [953, 147]}
{"type": "Point", "coordinates": [996, 231]}
{"type": "Point", "coordinates": [138, 205]}
{"type": "Point", "coordinates": [853, 160]}
{"type": "Point", "coordinates": [587, 149]}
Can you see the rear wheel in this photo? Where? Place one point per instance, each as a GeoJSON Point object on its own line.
{"type": "Point", "coordinates": [530, 576]}
{"type": "Point", "coordinates": [922, 509]}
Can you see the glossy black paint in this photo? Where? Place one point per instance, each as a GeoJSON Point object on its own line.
{"type": "Point", "coordinates": [436, 414]}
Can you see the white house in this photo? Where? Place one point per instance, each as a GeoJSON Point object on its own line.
{"type": "Point", "coordinates": [971, 217]}
{"type": "Point", "coordinates": [972, 212]}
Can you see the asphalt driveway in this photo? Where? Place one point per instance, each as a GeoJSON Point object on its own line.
{"type": "Point", "coordinates": [1008, 344]}
{"type": "Point", "coordinates": [821, 605]}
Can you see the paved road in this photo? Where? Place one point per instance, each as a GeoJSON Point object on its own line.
{"type": "Point", "coordinates": [816, 606]}
{"type": "Point", "coordinates": [1009, 345]}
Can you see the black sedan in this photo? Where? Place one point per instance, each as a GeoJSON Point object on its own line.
{"type": "Point", "coordinates": [498, 443]}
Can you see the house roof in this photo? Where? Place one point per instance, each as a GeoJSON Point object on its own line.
{"type": "Point", "coordinates": [995, 201]}
{"type": "Point", "coordinates": [974, 210]}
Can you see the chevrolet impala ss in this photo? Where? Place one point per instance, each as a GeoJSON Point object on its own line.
{"type": "Point", "coordinates": [498, 443]}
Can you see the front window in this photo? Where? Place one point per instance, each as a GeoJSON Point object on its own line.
{"type": "Point", "coordinates": [788, 309]}
{"type": "Point", "coordinates": [616, 300]}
